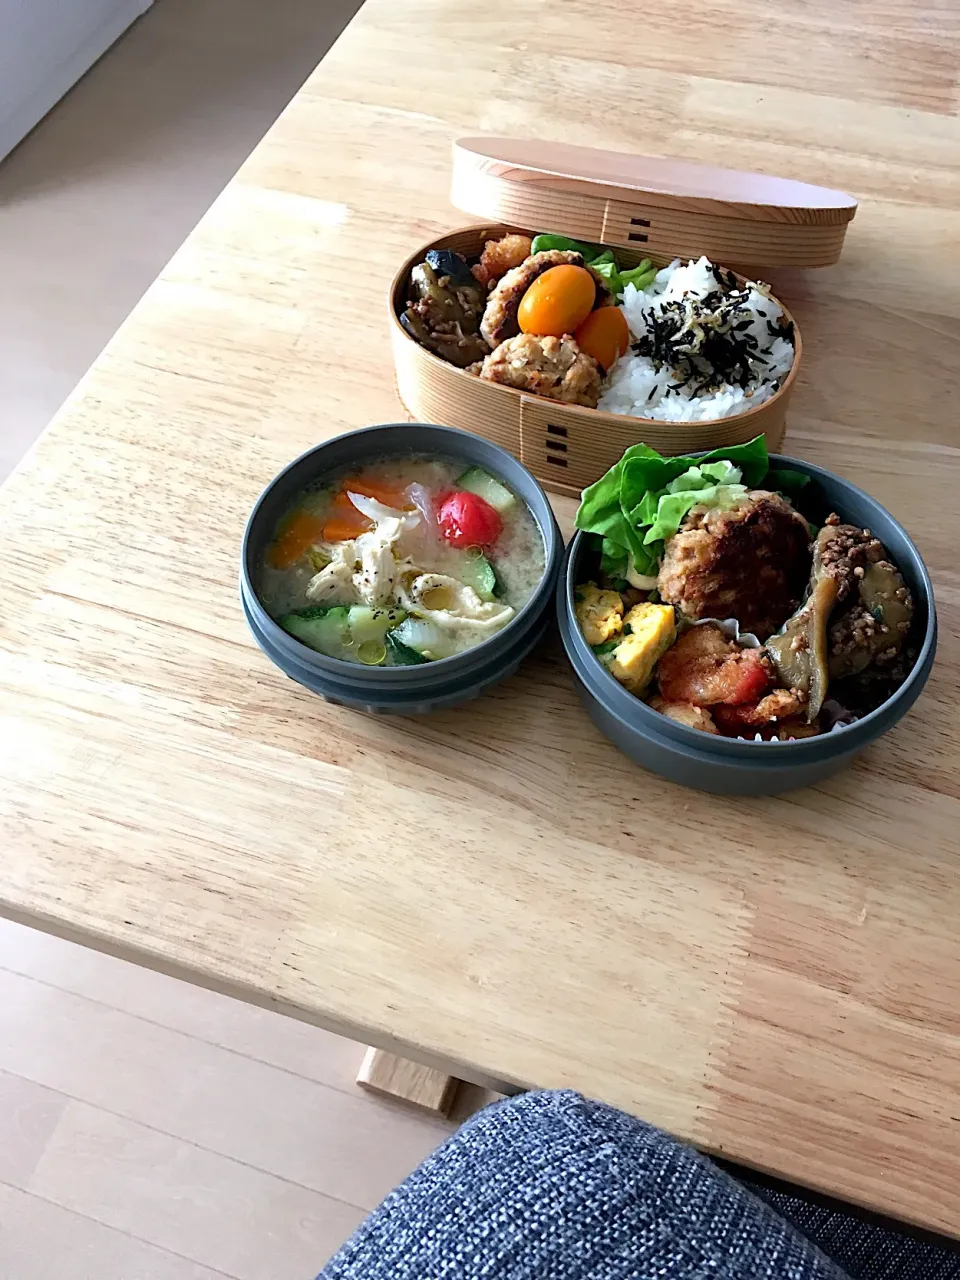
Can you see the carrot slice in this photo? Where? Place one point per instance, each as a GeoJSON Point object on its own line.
{"type": "Point", "coordinates": [344, 521]}
{"type": "Point", "coordinates": [336, 530]}
{"type": "Point", "coordinates": [380, 491]}
{"type": "Point", "coordinates": [299, 534]}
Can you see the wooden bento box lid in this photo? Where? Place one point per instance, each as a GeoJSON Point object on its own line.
{"type": "Point", "coordinates": [667, 208]}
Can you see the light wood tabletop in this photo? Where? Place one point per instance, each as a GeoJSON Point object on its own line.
{"type": "Point", "coordinates": [496, 889]}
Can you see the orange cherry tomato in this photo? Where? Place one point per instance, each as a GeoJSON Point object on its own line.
{"type": "Point", "coordinates": [299, 534]}
{"type": "Point", "coordinates": [605, 336]}
{"type": "Point", "coordinates": [557, 302]}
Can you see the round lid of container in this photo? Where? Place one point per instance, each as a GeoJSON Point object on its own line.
{"type": "Point", "coordinates": [669, 208]}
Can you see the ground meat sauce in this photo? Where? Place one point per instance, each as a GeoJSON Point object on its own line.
{"type": "Point", "coordinates": [847, 553]}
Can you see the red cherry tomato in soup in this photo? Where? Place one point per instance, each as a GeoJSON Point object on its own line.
{"type": "Point", "coordinates": [467, 520]}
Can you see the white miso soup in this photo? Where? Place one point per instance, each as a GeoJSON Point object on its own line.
{"type": "Point", "coordinates": [401, 561]}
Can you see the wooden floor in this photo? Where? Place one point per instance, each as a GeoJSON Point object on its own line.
{"type": "Point", "coordinates": [150, 1130]}
{"type": "Point", "coordinates": [103, 192]}
{"type": "Point", "coordinates": [153, 1131]}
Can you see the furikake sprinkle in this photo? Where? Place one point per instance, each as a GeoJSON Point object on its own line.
{"type": "Point", "coordinates": [706, 342]}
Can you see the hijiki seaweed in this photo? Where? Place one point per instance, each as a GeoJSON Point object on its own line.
{"type": "Point", "coordinates": [706, 341]}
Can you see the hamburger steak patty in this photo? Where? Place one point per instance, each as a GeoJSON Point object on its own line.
{"type": "Point", "coordinates": [751, 562]}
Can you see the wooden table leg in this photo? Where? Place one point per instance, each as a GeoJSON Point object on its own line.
{"type": "Point", "coordinates": [394, 1077]}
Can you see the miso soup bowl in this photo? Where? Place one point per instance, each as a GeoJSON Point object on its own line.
{"type": "Point", "coordinates": [432, 685]}
{"type": "Point", "coordinates": [731, 766]}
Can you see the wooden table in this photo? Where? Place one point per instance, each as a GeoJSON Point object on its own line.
{"type": "Point", "coordinates": [497, 889]}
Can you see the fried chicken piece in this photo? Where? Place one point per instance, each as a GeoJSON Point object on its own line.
{"type": "Point", "coordinates": [778, 705]}
{"type": "Point", "coordinates": [750, 562]}
{"type": "Point", "coordinates": [551, 367]}
{"type": "Point", "coordinates": [796, 727]}
{"type": "Point", "coordinates": [707, 641]}
{"type": "Point", "coordinates": [686, 713]}
{"type": "Point", "coordinates": [781, 704]}
{"type": "Point", "coordinates": [501, 256]}
{"type": "Point", "coordinates": [704, 668]}
{"type": "Point", "coordinates": [748, 722]}
{"type": "Point", "coordinates": [500, 316]}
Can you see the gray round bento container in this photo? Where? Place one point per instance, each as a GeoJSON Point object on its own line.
{"type": "Point", "coordinates": [730, 766]}
{"type": "Point", "coordinates": [401, 690]}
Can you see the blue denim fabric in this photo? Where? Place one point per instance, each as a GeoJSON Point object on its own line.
{"type": "Point", "coordinates": [549, 1186]}
{"type": "Point", "coordinates": [867, 1250]}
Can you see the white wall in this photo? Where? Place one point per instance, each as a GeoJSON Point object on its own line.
{"type": "Point", "coordinates": [45, 47]}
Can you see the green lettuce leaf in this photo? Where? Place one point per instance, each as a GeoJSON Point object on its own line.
{"type": "Point", "coordinates": [643, 480]}
{"type": "Point", "coordinates": [751, 458]}
{"type": "Point", "coordinates": [672, 507]}
{"type": "Point", "coordinates": [590, 252]}
{"type": "Point", "coordinates": [647, 510]}
{"type": "Point", "coordinates": [786, 481]}
{"type": "Point", "coordinates": [614, 559]}
{"type": "Point", "coordinates": [710, 484]}
{"type": "Point", "coordinates": [609, 271]}
{"type": "Point", "coordinates": [706, 476]}
{"type": "Point", "coordinates": [642, 500]}
{"type": "Point", "coordinates": [601, 512]}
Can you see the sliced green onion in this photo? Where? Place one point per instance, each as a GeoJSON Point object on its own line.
{"type": "Point", "coordinates": [474, 553]}
{"type": "Point", "coordinates": [317, 559]}
{"type": "Point", "coordinates": [371, 653]}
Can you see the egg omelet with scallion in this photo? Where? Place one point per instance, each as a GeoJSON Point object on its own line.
{"type": "Point", "coordinates": [648, 632]}
{"type": "Point", "coordinates": [599, 612]}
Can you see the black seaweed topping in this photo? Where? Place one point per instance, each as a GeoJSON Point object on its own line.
{"type": "Point", "coordinates": [705, 342]}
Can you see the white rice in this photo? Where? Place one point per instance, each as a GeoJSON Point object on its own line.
{"type": "Point", "coordinates": [637, 388]}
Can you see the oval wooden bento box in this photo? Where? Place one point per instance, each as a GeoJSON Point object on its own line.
{"type": "Point", "coordinates": [643, 208]}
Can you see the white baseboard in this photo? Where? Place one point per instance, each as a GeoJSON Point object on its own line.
{"type": "Point", "coordinates": [18, 121]}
